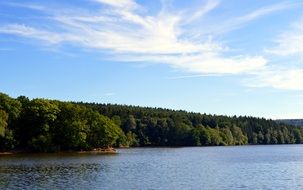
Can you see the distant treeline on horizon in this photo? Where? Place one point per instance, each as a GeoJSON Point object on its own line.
{"type": "Point", "coordinates": [43, 125]}
{"type": "Point", "coordinates": [294, 122]}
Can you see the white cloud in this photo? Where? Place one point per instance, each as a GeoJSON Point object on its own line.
{"type": "Point", "coordinates": [124, 4]}
{"type": "Point", "coordinates": [264, 11]}
{"type": "Point", "coordinates": [286, 79]}
{"type": "Point", "coordinates": [31, 32]}
{"type": "Point", "coordinates": [162, 38]}
{"type": "Point", "coordinates": [109, 94]}
{"type": "Point", "coordinates": [27, 6]}
{"type": "Point", "coordinates": [217, 64]}
{"type": "Point", "coordinates": [289, 42]}
{"type": "Point", "coordinates": [210, 5]}
{"type": "Point", "coordinates": [194, 76]}
{"type": "Point", "coordinates": [237, 22]}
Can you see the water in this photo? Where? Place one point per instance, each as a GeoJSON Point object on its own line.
{"type": "Point", "coordinates": [241, 167]}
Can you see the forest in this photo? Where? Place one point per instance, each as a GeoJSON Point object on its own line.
{"type": "Point", "coordinates": [42, 125]}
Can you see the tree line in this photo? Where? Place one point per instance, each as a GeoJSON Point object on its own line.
{"type": "Point", "coordinates": [44, 125]}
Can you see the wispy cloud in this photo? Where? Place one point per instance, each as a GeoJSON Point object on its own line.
{"type": "Point", "coordinates": [25, 5]}
{"type": "Point", "coordinates": [289, 42]}
{"type": "Point", "coordinates": [194, 76]}
{"type": "Point", "coordinates": [286, 45]}
{"type": "Point", "coordinates": [207, 7]}
{"type": "Point", "coordinates": [290, 79]}
{"type": "Point", "coordinates": [27, 31]}
{"type": "Point", "coordinates": [262, 12]}
{"type": "Point", "coordinates": [122, 29]}
{"type": "Point", "coordinates": [109, 94]}
{"type": "Point", "coordinates": [124, 4]}
{"type": "Point", "coordinates": [236, 22]}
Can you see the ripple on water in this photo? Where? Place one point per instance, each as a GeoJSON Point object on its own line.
{"type": "Point", "coordinates": [246, 167]}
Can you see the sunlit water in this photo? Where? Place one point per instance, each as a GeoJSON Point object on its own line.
{"type": "Point", "coordinates": [241, 167]}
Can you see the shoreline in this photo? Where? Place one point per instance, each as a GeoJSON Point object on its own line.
{"type": "Point", "coordinates": [99, 151]}
{"type": "Point", "coordinates": [115, 150]}
{"type": "Point", "coordinates": [94, 151]}
{"type": "Point", "coordinates": [7, 153]}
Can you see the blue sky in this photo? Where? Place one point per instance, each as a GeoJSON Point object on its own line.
{"type": "Point", "coordinates": [229, 57]}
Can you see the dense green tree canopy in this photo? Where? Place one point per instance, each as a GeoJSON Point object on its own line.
{"type": "Point", "coordinates": [48, 125]}
{"type": "Point", "coordinates": [3, 122]}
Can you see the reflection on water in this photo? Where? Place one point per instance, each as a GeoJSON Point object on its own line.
{"type": "Point", "coordinates": [43, 177]}
{"type": "Point", "coordinates": [48, 172]}
{"type": "Point", "coordinates": [246, 167]}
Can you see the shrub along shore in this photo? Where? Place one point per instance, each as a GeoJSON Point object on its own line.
{"type": "Point", "coordinates": [42, 125]}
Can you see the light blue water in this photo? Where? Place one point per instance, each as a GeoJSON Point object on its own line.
{"type": "Point", "coordinates": [240, 167]}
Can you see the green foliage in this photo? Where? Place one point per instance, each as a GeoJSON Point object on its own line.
{"type": "Point", "coordinates": [11, 106]}
{"type": "Point", "coordinates": [71, 129]}
{"type": "Point", "coordinates": [131, 139]}
{"type": "Point", "coordinates": [201, 136]}
{"type": "Point", "coordinates": [103, 131]}
{"type": "Point", "coordinates": [238, 136]}
{"type": "Point", "coordinates": [46, 125]}
{"type": "Point", "coordinates": [36, 121]}
{"type": "Point", "coordinates": [7, 140]}
{"type": "Point", "coordinates": [3, 122]}
{"type": "Point", "coordinates": [41, 143]}
{"type": "Point", "coordinates": [227, 136]}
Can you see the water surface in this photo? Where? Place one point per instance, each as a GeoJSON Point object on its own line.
{"type": "Point", "coordinates": [237, 167]}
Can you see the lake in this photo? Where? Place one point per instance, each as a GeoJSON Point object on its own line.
{"type": "Point", "coordinates": [234, 167]}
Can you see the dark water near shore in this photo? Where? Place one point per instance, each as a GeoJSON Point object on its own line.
{"type": "Point", "coordinates": [242, 167]}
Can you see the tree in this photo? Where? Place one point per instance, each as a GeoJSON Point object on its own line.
{"type": "Point", "coordinates": [130, 124]}
{"type": "Point", "coordinates": [103, 131]}
{"type": "Point", "coordinates": [227, 136]}
{"type": "Point", "coordinates": [201, 136]}
{"type": "Point", "coordinates": [11, 106]}
{"type": "Point", "coordinates": [205, 136]}
{"type": "Point", "coordinates": [131, 139]}
{"type": "Point", "coordinates": [47, 125]}
{"type": "Point", "coordinates": [3, 122]}
{"type": "Point", "coordinates": [36, 122]}
{"type": "Point", "coordinates": [255, 138]}
{"type": "Point", "coordinates": [239, 137]}
{"type": "Point", "coordinates": [196, 137]}
{"type": "Point", "coordinates": [298, 136]}
{"type": "Point", "coordinates": [116, 119]}
{"type": "Point", "coordinates": [7, 141]}
{"type": "Point", "coordinates": [10, 116]}
{"type": "Point", "coordinates": [260, 138]}
{"type": "Point", "coordinates": [71, 128]}
{"type": "Point", "coordinates": [215, 138]}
